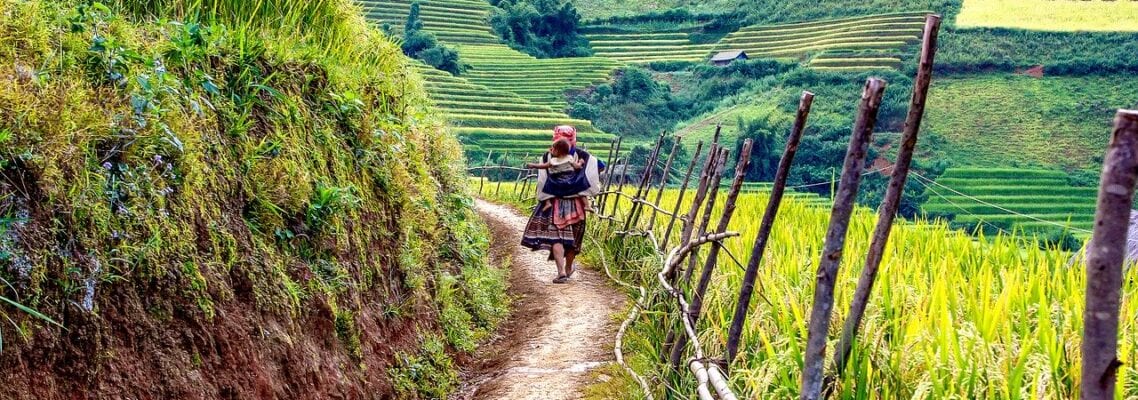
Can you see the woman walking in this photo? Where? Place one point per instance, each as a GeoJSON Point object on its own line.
{"type": "Point", "coordinates": [558, 220]}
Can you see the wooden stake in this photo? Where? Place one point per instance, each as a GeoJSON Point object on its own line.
{"type": "Point", "coordinates": [680, 198]}
{"type": "Point", "coordinates": [812, 373]}
{"type": "Point", "coordinates": [892, 200]}
{"type": "Point", "coordinates": [708, 207]}
{"type": "Point", "coordinates": [649, 167]}
{"type": "Point", "coordinates": [713, 254]}
{"type": "Point", "coordinates": [664, 178]}
{"type": "Point", "coordinates": [501, 163]}
{"type": "Point", "coordinates": [760, 245]}
{"type": "Point", "coordinates": [609, 168]}
{"type": "Point", "coordinates": [482, 173]}
{"type": "Point", "coordinates": [1106, 252]}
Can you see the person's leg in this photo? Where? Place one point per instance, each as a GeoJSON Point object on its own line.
{"type": "Point", "coordinates": [558, 252]}
{"type": "Point", "coordinates": [570, 255]}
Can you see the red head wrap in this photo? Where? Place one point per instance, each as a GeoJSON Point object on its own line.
{"type": "Point", "coordinates": [567, 132]}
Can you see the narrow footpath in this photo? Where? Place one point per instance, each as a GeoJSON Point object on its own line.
{"type": "Point", "coordinates": [557, 334]}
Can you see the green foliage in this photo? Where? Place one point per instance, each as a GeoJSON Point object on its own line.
{"type": "Point", "coordinates": [541, 28]}
{"type": "Point", "coordinates": [638, 105]}
{"type": "Point", "coordinates": [422, 45]}
{"type": "Point", "coordinates": [428, 374]}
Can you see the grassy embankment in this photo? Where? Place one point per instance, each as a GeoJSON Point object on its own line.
{"type": "Point", "coordinates": [196, 187]}
{"type": "Point", "coordinates": [950, 316]}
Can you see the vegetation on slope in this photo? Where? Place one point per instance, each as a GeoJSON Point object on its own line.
{"type": "Point", "coordinates": [423, 46]}
{"type": "Point", "coordinates": [206, 186]}
{"type": "Point", "coordinates": [541, 28]}
{"type": "Point", "coordinates": [1018, 120]}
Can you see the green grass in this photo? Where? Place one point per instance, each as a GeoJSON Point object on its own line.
{"type": "Point", "coordinates": [1054, 122]}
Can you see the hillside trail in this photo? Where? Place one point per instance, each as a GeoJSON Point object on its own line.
{"type": "Point", "coordinates": [557, 334]}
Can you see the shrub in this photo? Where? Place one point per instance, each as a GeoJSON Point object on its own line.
{"type": "Point", "coordinates": [423, 46]}
{"type": "Point", "coordinates": [541, 28]}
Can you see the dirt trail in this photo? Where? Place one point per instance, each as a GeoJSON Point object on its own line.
{"type": "Point", "coordinates": [557, 334]}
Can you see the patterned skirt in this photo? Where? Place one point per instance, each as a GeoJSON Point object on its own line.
{"type": "Point", "coordinates": [542, 233]}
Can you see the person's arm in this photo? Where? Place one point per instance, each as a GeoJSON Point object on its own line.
{"type": "Point", "coordinates": [544, 165]}
{"type": "Point", "coordinates": [580, 163]}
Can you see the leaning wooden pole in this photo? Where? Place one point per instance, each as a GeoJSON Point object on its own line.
{"type": "Point", "coordinates": [610, 167]}
{"type": "Point", "coordinates": [1106, 252]}
{"type": "Point", "coordinates": [812, 370]}
{"type": "Point", "coordinates": [708, 207]}
{"type": "Point", "coordinates": [501, 163]}
{"type": "Point", "coordinates": [649, 167]}
{"type": "Point", "coordinates": [664, 178]}
{"type": "Point", "coordinates": [482, 173]}
{"type": "Point", "coordinates": [748, 287]}
{"type": "Point", "coordinates": [680, 197]}
{"type": "Point", "coordinates": [893, 193]}
{"type": "Point", "coordinates": [713, 254]}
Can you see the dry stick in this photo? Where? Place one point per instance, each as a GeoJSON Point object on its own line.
{"type": "Point", "coordinates": [713, 254]}
{"type": "Point", "coordinates": [501, 164]}
{"type": "Point", "coordinates": [614, 157]}
{"type": "Point", "coordinates": [680, 198]}
{"type": "Point", "coordinates": [748, 287]}
{"type": "Point", "coordinates": [634, 214]}
{"type": "Point", "coordinates": [664, 177]}
{"type": "Point", "coordinates": [835, 239]}
{"type": "Point", "coordinates": [482, 174]}
{"type": "Point", "coordinates": [708, 207]}
{"type": "Point", "coordinates": [619, 188]}
{"type": "Point", "coordinates": [689, 225]}
{"type": "Point", "coordinates": [1105, 253]}
{"type": "Point", "coordinates": [892, 200]}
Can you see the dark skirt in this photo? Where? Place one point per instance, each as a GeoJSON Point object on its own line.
{"type": "Point", "coordinates": [541, 233]}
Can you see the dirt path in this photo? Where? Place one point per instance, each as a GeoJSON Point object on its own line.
{"type": "Point", "coordinates": [557, 334]}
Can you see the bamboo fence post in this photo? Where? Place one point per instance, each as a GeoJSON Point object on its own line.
{"type": "Point", "coordinates": [708, 207]}
{"type": "Point", "coordinates": [713, 254]}
{"type": "Point", "coordinates": [812, 370]}
{"type": "Point", "coordinates": [759, 247]}
{"type": "Point", "coordinates": [619, 188]}
{"type": "Point", "coordinates": [680, 198]}
{"type": "Point", "coordinates": [664, 178]}
{"type": "Point", "coordinates": [892, 200]}
{"type": "Point", "coordinates": [1106, 252]}
{"type": "Point", "coordinates": [482, 173]}
{"type": "Point", "coordinates": [701, 191]}
{"type": "Point", "coordinates": [609, 168]}
{"type": "Point", "coordinates": [689, 226]}
{"type": "Point", "coordinates": [501, 163]}
{"type": "Point", "coordinates": [634, 216]}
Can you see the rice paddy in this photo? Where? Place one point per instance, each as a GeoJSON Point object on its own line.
{"type": "Point", "coordinates": [508, 101]}
{"type": "Point", "coordinates": [1010, 198]}
{"type": "Point", "coordinates": [855, 44]}
{"type": "Point", "coordinates": [952, 316]}
{"type": "Point", "coordinates": [1051, 15]}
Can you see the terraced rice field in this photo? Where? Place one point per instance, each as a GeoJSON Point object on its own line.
{"type": "Point", "coordinates": [502, 122]}
{"type": "Point", "coordinates": [851, 43]}
{"type": "Point", "coordinates": [994, 196]}
{"type": "Point", "coordinates": [647, 46]}
{"type": "Point", "coordinates": [1051, 15]}
{"type": "Point", "coordinates": [541, 81]}
{"type": "Point", "coordinates": [858, 43]}
{"type": "Point", "coordinates": [508, 102]}
{"type": "Point", "coordinates": [452, 21]}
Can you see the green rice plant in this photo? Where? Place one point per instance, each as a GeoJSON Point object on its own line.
{"type": "Point", "coordinates": [952, 315]}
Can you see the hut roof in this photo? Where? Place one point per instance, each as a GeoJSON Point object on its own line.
{"type": "Point", "coordinates": [728, 55]}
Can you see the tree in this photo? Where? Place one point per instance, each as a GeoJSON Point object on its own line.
{"type": "Point", "coordinates": [424, 46]}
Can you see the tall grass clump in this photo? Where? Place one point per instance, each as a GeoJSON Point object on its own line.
{"type": "Point", "coordinates": [265, 172]}
{"type": "Point", "coordinates": [953, 316]}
